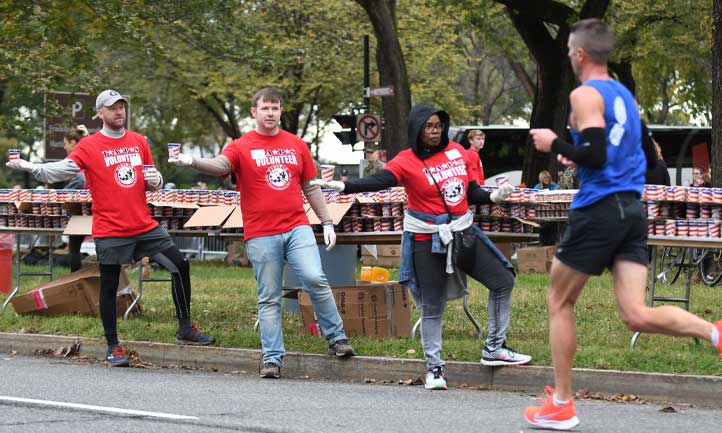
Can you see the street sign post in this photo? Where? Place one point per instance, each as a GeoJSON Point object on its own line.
{"type": "Point", "coordinates": [67, 110]}
{"type": "Point", "coordinates": [379, 91]}
{"type": "Point", "coordinates": [368, 127]}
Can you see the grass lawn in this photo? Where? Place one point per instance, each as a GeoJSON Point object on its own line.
{"type": "Point", "coordinates": [224, 305]}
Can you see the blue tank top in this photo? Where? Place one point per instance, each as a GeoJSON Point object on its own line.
{"type": "Point", "coordinates": [626, 163]}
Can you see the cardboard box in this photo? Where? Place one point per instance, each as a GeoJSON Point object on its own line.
{"type": "Point", "coordinates": [535, 259]}
{"type": "Point", "coordinates": [75, 293]}
{"type": "Point", "coordinates": [386, 255]}
{"type": "Point", "coordinates": [79, 225]}
{"type": "Point", "coordinates": [209, 216]}
{"type": "Point", "coordinates": [371, 310]}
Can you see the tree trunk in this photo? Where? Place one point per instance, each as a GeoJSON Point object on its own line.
{"type": "Point", "coordinates": [392, 72]}
{"type": "Point", "coordinates": [717, 93]}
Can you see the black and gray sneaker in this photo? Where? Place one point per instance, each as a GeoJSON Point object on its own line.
{"type": "Point", "coordinates": [271, 371]}
{"type": "Point", "coordinates": [341, 348]}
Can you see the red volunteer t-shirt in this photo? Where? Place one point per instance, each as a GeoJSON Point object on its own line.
{"type": "Point", "coordinates": [449, 167]}
{"type": "Point", "coordinates": [475, 167]}
{"type": "Point", "coordinates": [269, 171]}
{"type": "Point", "coordinates": [114, 174]}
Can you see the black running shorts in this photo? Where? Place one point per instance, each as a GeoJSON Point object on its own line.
{"type": "Point", "coordinates": [612, 228]}
{"type": "Point", "coordinates": [126, 250]}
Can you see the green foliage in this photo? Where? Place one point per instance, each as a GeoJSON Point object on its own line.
{"type": "Point", "coordinates": [669, 46]}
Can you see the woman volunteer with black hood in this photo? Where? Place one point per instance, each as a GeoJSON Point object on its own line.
{"type": "Point", "coordinates": [432, 167]}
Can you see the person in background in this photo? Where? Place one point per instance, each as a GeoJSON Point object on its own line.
{"type": "Point", "coordinates": [607, 228]}
{"type": "Point", "coordinates": [698, 177]}
{"type": "Point", "coordinates": [374, 164]}
{"type": "Point", "coordinates": [476, 143]}
{"type": "Point", "coordinates": [568, 179]}
{"type": "Point", "coordinates": [272, 168]}
{"type": "Point", "coordinates": [659, 174]}
{"type": "Point", "coordinates": [436, 174]}
{"type": "Point", "coordinates": [112, 160]}
{"type": "Point", "coordinates": [545, 181]}
{"type": "Point", "coordinates": [169, 185]}
{"type": "Point", "coordinates": [70, 140]}
{"type": "Point", "coordinates": [344, 174]}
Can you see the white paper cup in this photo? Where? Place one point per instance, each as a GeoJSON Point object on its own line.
{"type": "Point", "coordinates": [327, 172]}
{"type": "Point", "coordinates": [173, 150]}
{"type": "Point", "coordinates": [13, 154]}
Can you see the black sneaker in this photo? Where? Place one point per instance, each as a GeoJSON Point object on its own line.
{"type": "Point", "coordinates": [271, 371]}
{"type": "Point", "coordinates": [341, 348]}
{"type": "Point", "coordinates": [194, 336]}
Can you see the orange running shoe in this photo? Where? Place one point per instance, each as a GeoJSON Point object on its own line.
{"type": "Point", "coordinates": [550, 416]}
{"type": "Point", "coordinates": [718, 325]}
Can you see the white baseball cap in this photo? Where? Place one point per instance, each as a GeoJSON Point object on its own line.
{"type": "Point", "coordinates": [108, 98]}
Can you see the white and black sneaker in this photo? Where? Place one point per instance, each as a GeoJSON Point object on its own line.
{"type": "Point", "coordinates": [270, 371]}
{"type": "Point", "coordinates": [435, 378]}
{"type": "Point", "coordinates": [502, 356]}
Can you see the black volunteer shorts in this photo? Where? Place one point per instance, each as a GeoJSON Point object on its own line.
{"type": "Point", "coordinates": [126, 250]}
{"type": "Point", "coordinates": [612, 228]}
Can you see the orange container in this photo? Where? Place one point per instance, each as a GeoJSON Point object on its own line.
{"type": "Point", "coordinates": [365, 273]}
{"type": "Point", "coordinates": [379, 275]}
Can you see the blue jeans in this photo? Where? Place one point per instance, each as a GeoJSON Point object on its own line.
{"type": "Point", "coordinates": [267, 255]}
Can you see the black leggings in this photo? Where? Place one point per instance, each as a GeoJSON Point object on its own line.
{"type": "Point", "coordinates": [173, 261]}
{"type": "Point", "coordinates": [76, 259]}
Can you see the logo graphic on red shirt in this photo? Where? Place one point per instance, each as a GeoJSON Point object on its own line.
{"type": "Point", "coordinates": [453, 190]}
{"type": "Point", "coordinates": [278, 177]}
{"type": "Point", "coordinates": [125, 175]}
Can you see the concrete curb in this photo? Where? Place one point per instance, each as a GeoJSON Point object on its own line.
{"type": "Point", "coordinates": [703, 390]}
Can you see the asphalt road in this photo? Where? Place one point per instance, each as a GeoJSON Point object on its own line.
{"type": "Point", "coordinates": [219, 402]}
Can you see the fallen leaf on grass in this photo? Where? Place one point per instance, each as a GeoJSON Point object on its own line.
{"type": "Point", "coordinates": [410, 352]}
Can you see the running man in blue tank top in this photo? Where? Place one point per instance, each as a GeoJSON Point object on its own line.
{"type": "Point", "coordinates": [607, 228]}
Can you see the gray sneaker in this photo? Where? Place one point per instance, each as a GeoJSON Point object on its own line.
{"type": "Point", "coordinates": [271, 371]}
{"type": "Point", "coordinates": [502, 356]}
{"type": "Point", "coordinates": [341, 348]}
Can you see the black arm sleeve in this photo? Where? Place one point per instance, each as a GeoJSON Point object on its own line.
{"type": "Point", "coordinates": [477, 195]}
{"type": "Point", "coordinates": [381, 180]}
{"type": "Point", "coordinates": [592, 153]}
{"type": "Point", "coordinates": [648, 146]}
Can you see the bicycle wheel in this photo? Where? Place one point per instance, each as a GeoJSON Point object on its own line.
{"type": "Point", "coordinates": [710, 267]}
{"type": "Point", "coordinates": [670, 265]}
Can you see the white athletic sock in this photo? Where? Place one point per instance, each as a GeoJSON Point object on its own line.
{"type": "Point", "coordinates": [715, 336]}
{"type": "Point", "coordinates": [557, 402]}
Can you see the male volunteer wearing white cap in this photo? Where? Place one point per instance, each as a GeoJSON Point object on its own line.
{"type": "Point", "coordinates": [113, 160]}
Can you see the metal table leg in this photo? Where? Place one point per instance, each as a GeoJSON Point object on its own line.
{"type": "Point", "coordinates": [417, 325]}
{"type": "Point", "coordinates": [17, 276]}
{"type": "Point", "coordinates": [140, 292]}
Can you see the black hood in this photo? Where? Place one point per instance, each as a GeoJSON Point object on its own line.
{"type": "Point", "coordinates": [417, 118]}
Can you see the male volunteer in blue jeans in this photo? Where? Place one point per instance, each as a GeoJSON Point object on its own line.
{"type": "Point", "coordinates": [607, 228]}
{"type": "Point", "coordinates": [272, 168]}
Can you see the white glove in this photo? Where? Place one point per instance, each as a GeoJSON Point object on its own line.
{"type": "Point", "coordinates": [329, 236]}
{"type": "Point", "coordinates": [21, 164]}
{"type": "Point", "coordinates": [183, 160]}
{"type": "Point", "coordinates": [153, 177]}
{"type": "Point", "coordinates": [502, 193]}
{"type": "Point", "coordinates": [335, 185]}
